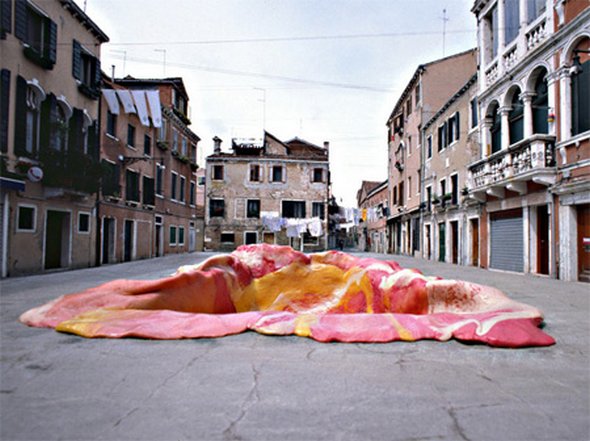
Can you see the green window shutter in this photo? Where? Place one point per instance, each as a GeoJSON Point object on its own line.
{"type": "Point", "coordinates": [52, 42]}
{"type": "Point", "coordinates": [97, 77]}
{"type": "Point", "coordinates": [5, 18]}
{"type": "Point", "coordinates": [458, 126]}
{"type": "Point", "coordinates": [20, 20]}
{"type": "Point", "coordinates": [76, 60]}
{"type": "Point", "coordinates": [75, 135]}
{"type": "Point", "coordinates": [48, 139]}
{"type": "Point", "coordinates": [20, 126]}
{"type": "Point", "coordinates": [4, 108]}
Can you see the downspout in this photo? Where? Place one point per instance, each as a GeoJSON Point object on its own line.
{"type": "Point", "coordinates": [98, 242]}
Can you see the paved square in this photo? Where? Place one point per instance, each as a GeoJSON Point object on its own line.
{"type": "Point", "coordinates": [253, 387]}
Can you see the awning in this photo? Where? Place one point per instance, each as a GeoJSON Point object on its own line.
{"type": "Point", "coordinates": [12, 184]}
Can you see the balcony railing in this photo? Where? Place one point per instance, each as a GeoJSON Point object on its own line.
{"type": "Point", "coordinates": [536, 35]}
{"type": "Point", "coordinates": [530, 159]}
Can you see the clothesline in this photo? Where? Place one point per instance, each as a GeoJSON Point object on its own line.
{"type": "Point", "coordinates": [294, 226]}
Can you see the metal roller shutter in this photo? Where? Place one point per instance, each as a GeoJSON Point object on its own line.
{"type": "Point", "coordinates": [507, 243]}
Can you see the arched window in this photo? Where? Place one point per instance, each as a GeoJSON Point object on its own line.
{"type": "Point", "coordinates": [496, 129]}
{"type": "Point", "coordinates": [540, 105]}
{"type": "Point", "coordinates": [61, 129]}
{"type": "Point", "coordinates": [516, 119]}
{"type": "Point", "coordinates": [580, 92]}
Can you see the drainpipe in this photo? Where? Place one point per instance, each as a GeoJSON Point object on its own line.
{"type": "Point", "coordinates": [98, 242]}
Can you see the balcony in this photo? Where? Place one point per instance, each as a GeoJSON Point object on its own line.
{"type": "Point", "coordinates": [529, 160]}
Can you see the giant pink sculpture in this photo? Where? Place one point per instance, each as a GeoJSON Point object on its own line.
{"type": "Point", "coordinates": [331, 296]}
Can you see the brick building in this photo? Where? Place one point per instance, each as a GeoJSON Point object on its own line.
{"type": "Point", "coordinates": [148, 205]}
{"type": "Point", "coordinates": [373, 204]}
{"type": "Point", "coordinates": [267, 191]}
{"type": "Point", "coordinates": [429, 88]}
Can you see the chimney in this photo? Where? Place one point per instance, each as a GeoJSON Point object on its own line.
{"type": "Point", "coordinates": [327, 147]}
{"type": "Point", "coordinates": [217, 145]}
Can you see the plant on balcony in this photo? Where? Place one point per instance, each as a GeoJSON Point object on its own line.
{"type": "Point", "coordinates": [162, 145]}
{"type": "Point", "coordinates": [183, 159]}
{"type": "Point", "coordinates": [447, 197]}
{"type": "Point", "coordinates": [435, 199]}
{"type": "Point", "coordinates": [175, 153]}
{"type": "Point", "coordinates": [194, 166]}
{"type": "Point", "coordinates": [465, 191]}
{"type": "Point", "coordinates": [399, 166]}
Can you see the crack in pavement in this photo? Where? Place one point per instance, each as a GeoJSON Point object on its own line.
{"type": "Point", "coordinates": [457, 428]}
{"type": "Point", "coordinates": [251, 399]}
{"type": "Point", "coordinates": [128, 414]}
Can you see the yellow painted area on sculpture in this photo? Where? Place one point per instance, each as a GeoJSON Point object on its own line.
{"type": "Point", "coordinates": [303, 324]}
{"type": "Point", "coordinates": [85, 324]}
{"type": "Point", "coordinates": [315, 288]}
{"type": "Point", "coordinates": [403, 333]}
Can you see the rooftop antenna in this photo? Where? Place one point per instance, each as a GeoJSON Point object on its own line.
{"type": "Point", "coordinates": [164, 64]}
{"type": "Point", "coordinates": [85, 5]}
{"type": "Point", "coordinates": [444, 20]}
{"type": "Point", "coordinates": [124, 57]}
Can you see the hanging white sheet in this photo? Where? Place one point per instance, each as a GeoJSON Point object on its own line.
{"type": "Point", "coordinates": [111, 98]}
{"type": "Point", "coordinates": [141, 106]}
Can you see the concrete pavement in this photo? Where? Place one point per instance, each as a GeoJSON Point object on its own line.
{"type": "Point", "coordinates": [252, 387]}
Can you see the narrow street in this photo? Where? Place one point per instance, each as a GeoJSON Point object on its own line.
{"type": "Point", "coordinates": [55, 386]}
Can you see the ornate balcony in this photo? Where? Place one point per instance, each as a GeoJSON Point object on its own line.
{"type": "Point", "coordinates": [536, 34]}
{"type": "Point", "coordinates": [531, 159]}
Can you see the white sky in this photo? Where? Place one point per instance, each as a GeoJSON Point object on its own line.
{"type": "Point", "coordinates": [234, 79]}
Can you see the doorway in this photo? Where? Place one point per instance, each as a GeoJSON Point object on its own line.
{"type": "Point", "coordinates": [475, 242]}
{"type": "Point", "coordinates": [108, 240]}
{"type": "Point", "coordinates": [128, 240]}
{"type": "Point", "coordinates": [543, 239]}
{"type": "Point", "coordinates": [454, 242]}
{"type": "Point", "coordinates": [192, 237]}
{"type": "Point", "coordinates": [584, 243]}
{"type": "Point", "coordinates": [441, 242]}
{"type": "Point", "coordinates": [57, 239]}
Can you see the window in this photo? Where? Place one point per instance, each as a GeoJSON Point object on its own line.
{"type": "Point", "coordinates": [201, 181]}
{"type": "Point", "coordinates": [442, 137]}
{"type": "Point", "coordinates": [394, 195]}
{"type": "Point", "coordinates": [491, 36]}
{"type": "Point", "coordinates": [409, 187]}
{"type": "Point", "coordinates": [496, 130]}
{"type": "Point", "coordinates": [429, 198]}
{"type": "Point", "coordinates": [4, 104]}
{"type": "Point", "coordinates": [111, 174]}
{"type": "Point", "coordinates": [192, 193]}
{"type": "Point", "coordinates": [174, 140]}
{"type": "Point", "coordinates": [147, 145]}
{"type": "Point", "coordinates": [173, 185]}
{"type": "Point", "coordinates": [84, 223]}
{"type": "Point", "coordinates": [181, 236]}
{"type": "Point", "coordinates": [130, 135]}
{"type": "Point", "coordinates": [216, 208]}
{"type": "Point", "coordinates": [516, 119]}
{"type": "Point", "coordinates": [409, 145]}
{"type": "Point", "coordinates": [29, 99]}
{"type": "Point", "coordinates": [149, 196]}
{"type": "Point", "coordinates": [111, 124]}
{"type": "Point", "coordinates": [474, 113]}
{"type": "Point", "coordinates": [162, 131]}
{"type": "Point", "coordinates": [26, 218]}
{"type": "Point", "coordinates": [511, 20]}
{"type": "Point", "coordinates": [172, 237]}
{"type": "Point", "coordinates": [253, 208]}
{"type": "Point", "coordinates": [443, 188]}
{"type": "Point", "coordinates": [409, 106]}
{"type": "Point", "coordinates": [317, 210]}
{"type": "Point", "coordinates": [184, 147]}
{"type": "Point", "coordinates": [255, 173]}
{"type": "Point", "coordinates": [61, 133]}
{"type": "Point", "coordinates": [417, 94]}
{"type": "Point", "coordinates": [580, 103]}
{"type": "Point", "coordinates": [318, 174]}
{"type": "Point", "coordinates": [401, 193]}
{"type": "Point", "coordinates": [453, 128]}
{"type": "Point", "coordinates": [86, 70]}
{"type": "Point", "coordinates": [218, 172]}
{"type": "Point", "coordinates": [159, 179]}
{"type": "Point", "coordinates": [429, 147]}
{"type": "Point", "coordinates": [182, 188]}
{"type": "Point", "coordinates": [277, 173]}
{"type": "Point", "coordinates": [131, 186]}
{"type": "Point", "coordinates": [193, 157]}
{"type": "Point", "coordinates": [293, 209]}
{"type": "Point", "coordinates": [250, 237]}
{"type": "Point", "coordinates": [534, 9]}
{"type": "Point", "coordinates": [540, 107]}
{"type": "Point", "coordinates": [39, 34]}
{"type": "Point", "coordinates": [228, 238]}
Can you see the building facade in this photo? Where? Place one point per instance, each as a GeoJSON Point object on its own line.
{"type": "Point", "coordinates": [532, 174]}
{"type": "Point", "coordinates": [148, 204]}
{"type": "Point", "coordinates": [450, 220]}
{"type": "Point", "coordinates": [373, 204]}
{"type": "Point", "coordinates": [430, 87]}
{"type": "Point", "coordinates": [267, 191]}
{"type": "Point", "coordinates": [49, 119]}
